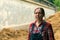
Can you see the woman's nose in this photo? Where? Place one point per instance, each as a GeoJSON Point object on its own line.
{"type": "Point", "coordinates": [37, 14]}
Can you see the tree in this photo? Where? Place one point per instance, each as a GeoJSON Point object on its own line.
{"type": "Point", "coordinates": [57, 3]}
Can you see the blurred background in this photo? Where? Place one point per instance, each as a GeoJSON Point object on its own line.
{"type": "Point", "coordinates": [16, 15]}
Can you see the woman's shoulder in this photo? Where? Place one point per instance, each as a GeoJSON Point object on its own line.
{"type": "Point", "coordinates": [48, 24]}
{"type": "Point", "coordinates": [31, 23]}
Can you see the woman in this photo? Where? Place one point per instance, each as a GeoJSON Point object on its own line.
{"type": "Point", "coordinates": [40, 29]}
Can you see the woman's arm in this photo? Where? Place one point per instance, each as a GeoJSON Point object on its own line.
{"type": "Point", "coordinates": [30, 27]}
{"type": "Point", "coordinates": [50, 33]}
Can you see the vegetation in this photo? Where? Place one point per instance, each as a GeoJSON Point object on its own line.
{"type": "Point", "coordinates": [57, 3]}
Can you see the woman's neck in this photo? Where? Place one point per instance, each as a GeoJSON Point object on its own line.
{"type": "Point", "coordinates": [38, 22]}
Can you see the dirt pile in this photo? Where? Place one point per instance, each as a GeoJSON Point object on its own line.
{"type": "Point", "coordinates": [12, 34]}
{"type": "Point", "coordinates": [55, 21]}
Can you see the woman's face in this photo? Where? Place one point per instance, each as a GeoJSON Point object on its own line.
{"type": "Point", "coordinates": [38, 15]}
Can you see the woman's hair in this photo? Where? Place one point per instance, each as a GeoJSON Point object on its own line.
{"type": "Point", "coordinates": [42, 10]}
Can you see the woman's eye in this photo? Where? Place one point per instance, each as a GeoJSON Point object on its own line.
{"type": "Point", "coordinates": [35, 13]}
